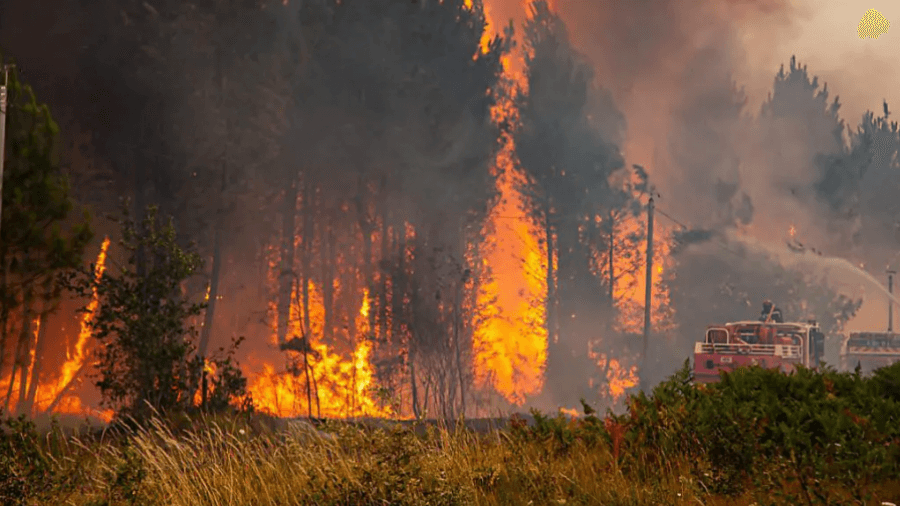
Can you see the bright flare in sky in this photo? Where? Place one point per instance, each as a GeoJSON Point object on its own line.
{"type": "Point", "coordinates": [872, 25]}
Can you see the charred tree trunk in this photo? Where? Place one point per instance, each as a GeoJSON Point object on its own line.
{"type": "Point", "coordinates": [306, 246]}
{"type": "Point", "coordinates": [66, 388]}
{"type": "Point", "coordinates": [551, 279]}
{"type": "Point", "coordinates": [612, 272]}
{"type": "Point", "coordinates": [385, 255]}
{"type": "Point", "coordinates": [352, 308]}
{"type": "Point", "coordinates": [328, 253]}
{"type": "Point", "coordinates": [25, 345]}
{"type": "Point", "coordinates": [286, 273]}
{"type": "Point", "coordinates": [367, 228]}
{"type": "Point", "coordinates": [36, 366]}
{"type": "Point", "coordinates": [308, 384]}
{"type": "Point", "coordinates": [5, 310]}
{"type": "Point", "coordinates": [209, 314]}
{"type": "Point", "coordinates": [457, 310]}
{"type": "Point", "coordinates": [21, 350]}
{"type": "Point", "coordinates": [403, 286]}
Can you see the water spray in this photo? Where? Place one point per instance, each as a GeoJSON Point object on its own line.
{"type": "Point", "coordinates": [824, 263]}
{"type": "Point", "coordinates": [890, 274]}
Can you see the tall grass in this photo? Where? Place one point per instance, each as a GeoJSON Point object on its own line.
{"type": "Point", "coordinates": [236, 465]}
{"type": "Point", "coordinates": [675, 447]}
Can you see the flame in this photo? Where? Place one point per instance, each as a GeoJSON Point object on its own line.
{"type": "Point", "coordinates": [631, 274]}
{"type": "Point", "coordinates": [340, 386]}
{"type": "Point", "coordinates": [510, 336]}
{"type": "Point", "coordinates": [485, 43]}
{"type": "Point", "coordinates": [620, 378]}
{"type": "Point", "coordinates": [569, 411]}
{"type": "Point", "coordinates": [75, 361]}
{"type": "Point", "coordinates": [792, 231]}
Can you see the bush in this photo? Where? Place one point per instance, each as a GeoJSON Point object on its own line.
{"type": "Point", "coordinates": [24, 469]}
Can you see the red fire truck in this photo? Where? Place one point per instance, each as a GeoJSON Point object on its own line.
{"type": "Point", "coordinates": [869, 350]}
{"type": "Point", "coordinates": [762, 343]}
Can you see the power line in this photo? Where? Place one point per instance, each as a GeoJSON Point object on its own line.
{"type": "Point", "coordinates": [722, 244]}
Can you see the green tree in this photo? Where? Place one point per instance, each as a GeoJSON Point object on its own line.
{"type": "Point", "coordinates": [146, 358]}
{"type": "Point", "coordinates": [39, 239]}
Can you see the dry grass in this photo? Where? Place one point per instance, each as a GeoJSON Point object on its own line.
{"type": "Point", "coordinates": [260, 461]}
{"type": "Point", "coordinates": [230, 462]}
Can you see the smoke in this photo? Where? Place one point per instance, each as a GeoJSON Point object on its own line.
{"type": "Point", "coordinates": [680, 72]}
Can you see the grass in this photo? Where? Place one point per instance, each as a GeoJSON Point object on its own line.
{"type": "Point", "coordinates": [231, 462]}
{"type": "Point", "coordinates": [626, 460]}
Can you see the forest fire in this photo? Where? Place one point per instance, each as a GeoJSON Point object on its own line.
{"type": "Point", "coordinates": [510, 340]}
{"type": "Point", "coordinates": [76, 362]}
{"type": "Point", "coordinates": [617, 378]}
{"type": "Point", "coordinates": [620, 378]}
{"type": "Point", "coordinates": [57, 394]}
{"type": "Point", "coordinates": [342, 321]}
{"type": "Point", "coordinates": [319, 381]}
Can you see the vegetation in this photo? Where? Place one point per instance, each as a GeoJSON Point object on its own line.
{"type": "Point", "coordinates": [39, 240]}
{"type": "Point", "coordinates": [146, 358]}
{"type": "Point", "coordinates": [757, 437]}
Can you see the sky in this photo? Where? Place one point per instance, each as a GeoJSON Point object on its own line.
{"type": "Point", "coordinates": [823, 35]}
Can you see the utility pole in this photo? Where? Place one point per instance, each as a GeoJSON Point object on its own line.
{"type": "Point", "coordinates": [3, 130]}
{"type": "Point", "coordinates": [890, 274]}
{"type": "Point", "coordinates": [612, 272]}
{"type": "Point", "coordinates": [648, 289]}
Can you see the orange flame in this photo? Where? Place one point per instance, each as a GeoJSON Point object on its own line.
{"type": "Point", "coordinates": [510, 336]}
{"type": "Point", "coordinates": [569, 411]}
{"type": "Point", "coordinates": [75, 361]}
{"type": "Point", "coordinates": [619, 378]}
{"type": "Point", "coordinates": [340, 387]}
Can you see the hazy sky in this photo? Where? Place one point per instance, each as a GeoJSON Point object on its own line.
{"type": "Point", "coordinates": [823, 36]}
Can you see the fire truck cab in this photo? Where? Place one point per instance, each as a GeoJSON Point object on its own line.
{"type": "Point", "coordinates": [869, 350]}
{"type": "Point", "coordinates": [764, 344]}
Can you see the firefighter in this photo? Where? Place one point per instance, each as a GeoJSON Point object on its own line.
{"type": "Point", "coordinates": [771, 313]}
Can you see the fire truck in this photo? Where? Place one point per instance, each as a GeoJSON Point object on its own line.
{"type": "Point", "coordinates": [762, 343]}
{"type": "Point", "coordinates": [869, 350]}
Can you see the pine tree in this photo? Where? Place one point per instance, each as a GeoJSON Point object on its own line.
{"type": "Point", "coordinates": [40, 238]}
{"type": "Point", "coordinates": [568, 165]}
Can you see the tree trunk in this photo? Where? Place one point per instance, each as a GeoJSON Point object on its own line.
{"type": "Point", "coordinates": [308, 383]}
{"type": "Point", "coordinates": [385, 255]}
{"type": "Point", "coordinates": [5, 310]}
{"type": "Point", "coordinates": [412, 382]}
{"type": "Point", "coordinates": [307, 252]}
{"type": "Point", "coordinates": [26, 341]}
{"type": "Point", "coordinates": [65, 390]}
{"type": "Point", "coordinates": [286, 275]}
{"type": "Point", "coordinates": [36, 366]}
{"type": "Point", "coordinates": [612, 272]}
{"type": "Point", "coordinates": [21, 350]}
{"type": "Point", "coordinates": [457, 310]}
{"type": "Point", "coordinates": [327, 256]}
{"type": "Point", "coordinates": [551, 284]}
{"type": "Point", "coordinates": [209, 314]}
{"type": "Point", "coordinates": [351, 336]}
{"type": "Point", "coordinates": [4, 318]}
{"type": "Point", "coordinates": [367, 228]}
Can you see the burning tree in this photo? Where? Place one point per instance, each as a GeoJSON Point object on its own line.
{"type": "Point", "coordinates": [146, 359]}
{"type": "Point", "coordinates": [34, 248]}
{"type": "Point", "coordinates": [568, 162]}
{"type": "Point", "coordinates": [380, 210]}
